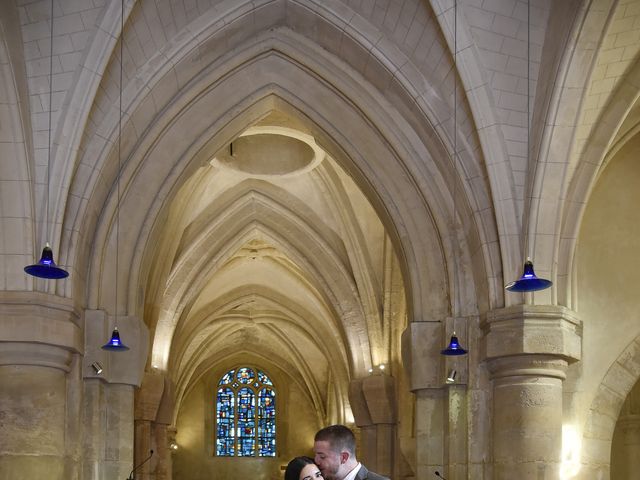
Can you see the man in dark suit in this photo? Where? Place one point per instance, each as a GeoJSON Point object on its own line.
{"type": "Point", "coordinates": [335, 455]}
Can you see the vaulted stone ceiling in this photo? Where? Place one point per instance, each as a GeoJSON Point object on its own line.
{"type": "Point", "coordinates": [211, 244]}
{"type": "Point", "coordinates": [270, 250]}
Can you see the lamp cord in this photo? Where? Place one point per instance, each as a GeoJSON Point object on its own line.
{"type": "Point", "coordinates": [528, 156]}
{"type": "Point", "coordinates": [455, 155]}
{"type": "Point", "coordinates": [49, 126]}
{"type": "Point", "coordinates": [119, 157]}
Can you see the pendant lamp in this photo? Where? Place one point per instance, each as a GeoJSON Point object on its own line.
{"type": "Point", "coordinates": [454, 347]}
{"type": "Point", "coordinates": [528, 282]}
{"type": "Point", "coordinates": [46, 267]}
{"type": "Point", "coordinates": [115, 344]}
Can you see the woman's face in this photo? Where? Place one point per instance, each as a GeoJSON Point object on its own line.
{"type": "Point", "coordinates": [310, 472]}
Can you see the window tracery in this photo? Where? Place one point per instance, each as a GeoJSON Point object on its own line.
{"type": "Point", "coordinates": [245, 414]}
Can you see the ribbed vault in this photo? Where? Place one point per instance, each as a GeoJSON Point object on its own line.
{"type": "Point", "coordinates": [328, 237]}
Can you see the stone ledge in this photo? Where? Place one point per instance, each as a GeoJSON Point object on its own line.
{"type": "Point", "coordinates": [532, 329]}
{"type": "Point", "coordinates": [32, 317]}
{"type": "Point", "coordinates": [34, 354]}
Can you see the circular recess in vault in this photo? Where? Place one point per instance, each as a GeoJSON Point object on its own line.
{"type": "Point", "coordinates": [267, 154]}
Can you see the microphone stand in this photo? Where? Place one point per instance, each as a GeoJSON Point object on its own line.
{"type": "Point", "coordinates": [131, 477]}
{"type": "Point", "coordinates": [438, 475]}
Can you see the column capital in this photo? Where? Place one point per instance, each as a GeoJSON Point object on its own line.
{"type": "Point", "coordinates": [379, 393]}
{"type": "Point", "coordinates": [35, 354]}
{"type": "Point", "coordinates": [120, 367]}
{"type": "Point", "coordinates": [421, 344]}
{"type": "Point", "coordinates": [38, 329]}
{"type": "Point", "coordinates": [372, 400]}
{"type": "Point", "coordinates": [148, 396]}
{"type": "Point", "coordinates": [548, 330]}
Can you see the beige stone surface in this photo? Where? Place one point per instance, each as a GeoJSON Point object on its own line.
{"type": "Point", "coordinates": [395, 163]}
{"type": "Point", "coordinates": [32, 412]}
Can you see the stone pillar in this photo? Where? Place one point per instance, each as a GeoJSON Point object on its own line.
{"type": "Point", "coordinates": [163, 462]}
{"type": "Point", "coordinates": [109, 395]}
{"type": "Point", "coordinates": [456, 446]}
{"type": "Point", "coordinates": [32, 414]}
{"type": "Point", "coordinates": [421, 345]}
{"type": "Point", "coordinates": [528, 348]}
{"type": "Point", "coordinates": [39, 338]}
{"type": "Point", "coordinates": [148, 399]}
{"type": "Point", "coordinates": [143, 452]}
{"type": "Point", "coordinates": [430, 427]}
{"type": "Point", "coordinates": [379, 393]}
{"type": "Point", "coordinates": [373, 406]}
{"type": "Point", "coordinates": [165, 434]}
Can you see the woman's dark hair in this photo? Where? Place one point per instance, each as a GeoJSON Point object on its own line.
{"type": "Point", "coordinates": [295, 466]}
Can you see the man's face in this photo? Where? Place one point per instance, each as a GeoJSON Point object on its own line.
{"type": "Point", "coordinates": [327, 460]}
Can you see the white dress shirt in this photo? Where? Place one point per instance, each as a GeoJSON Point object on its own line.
{"type": "Point", "coordinates": [352, 474]}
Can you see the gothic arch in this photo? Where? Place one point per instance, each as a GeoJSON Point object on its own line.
{"type": "Point", "coordinates": [605, 409]}
{"type": "Point", "coordinates": [396, 193]}
{"type": "Point", "coordinates": [569, 169]}
{"type": "Point", "coordinates": [251, 215]}
{"type": "Point", "coordinates": [227, 309]}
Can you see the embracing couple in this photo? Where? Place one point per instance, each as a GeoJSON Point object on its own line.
{"type": "Point", "coordinates": [334, 448]}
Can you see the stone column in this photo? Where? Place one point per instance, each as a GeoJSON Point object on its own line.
{"type": "Point", "coordinates": [379, 393]}
{"type": "Point", "coordinates": [421, 345]}
{"type": "Point", "coordinates": [163, 462]}
{"type": "Point", "coordinates": [39, 338]}
{"type": "Point", "coordinates": [165, 434]}
{"type": "Point", "coordinates": [373, 406]}
{"type": "Point", "coordinates": [148, 399]}
{"type": "Point", "coordinates": [109, 395]}
{"type": "Point", "coordinates": [456, 446]}
{"type": "Point", "coordinates": [528, 348]}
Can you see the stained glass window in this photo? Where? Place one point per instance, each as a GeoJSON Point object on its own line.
{"type": "Point", "coordinates": [245, 414]}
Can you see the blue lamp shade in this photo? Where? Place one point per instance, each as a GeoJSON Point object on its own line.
{"type": "Point", "coordinates": [454, 347]}
{"type": "Point", "coordinates": [528, 282]}
{"type": "Point", "coordinates": [46, 267]}
{"type": "Point", "coordinates": [115, 344]}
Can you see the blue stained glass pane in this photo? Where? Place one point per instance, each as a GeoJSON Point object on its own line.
{"type": "Point", "coordinates": [245, 414]}
{"type": "Point", "coordinates": [246, 422]}
{"type": "Point", "coordinates": [227, 377]}
{"type": "Point", "coordinates": [267, 423]}
{"type": "Point", "coordinates": [264, 378]}
{"type": "Point", "coordinates": [225, 413]}
{"type": "Point", "coordinates": [245, 375]}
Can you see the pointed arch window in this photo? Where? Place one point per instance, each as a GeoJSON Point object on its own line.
{"type": "Point", "coordinates": [245, 414]}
